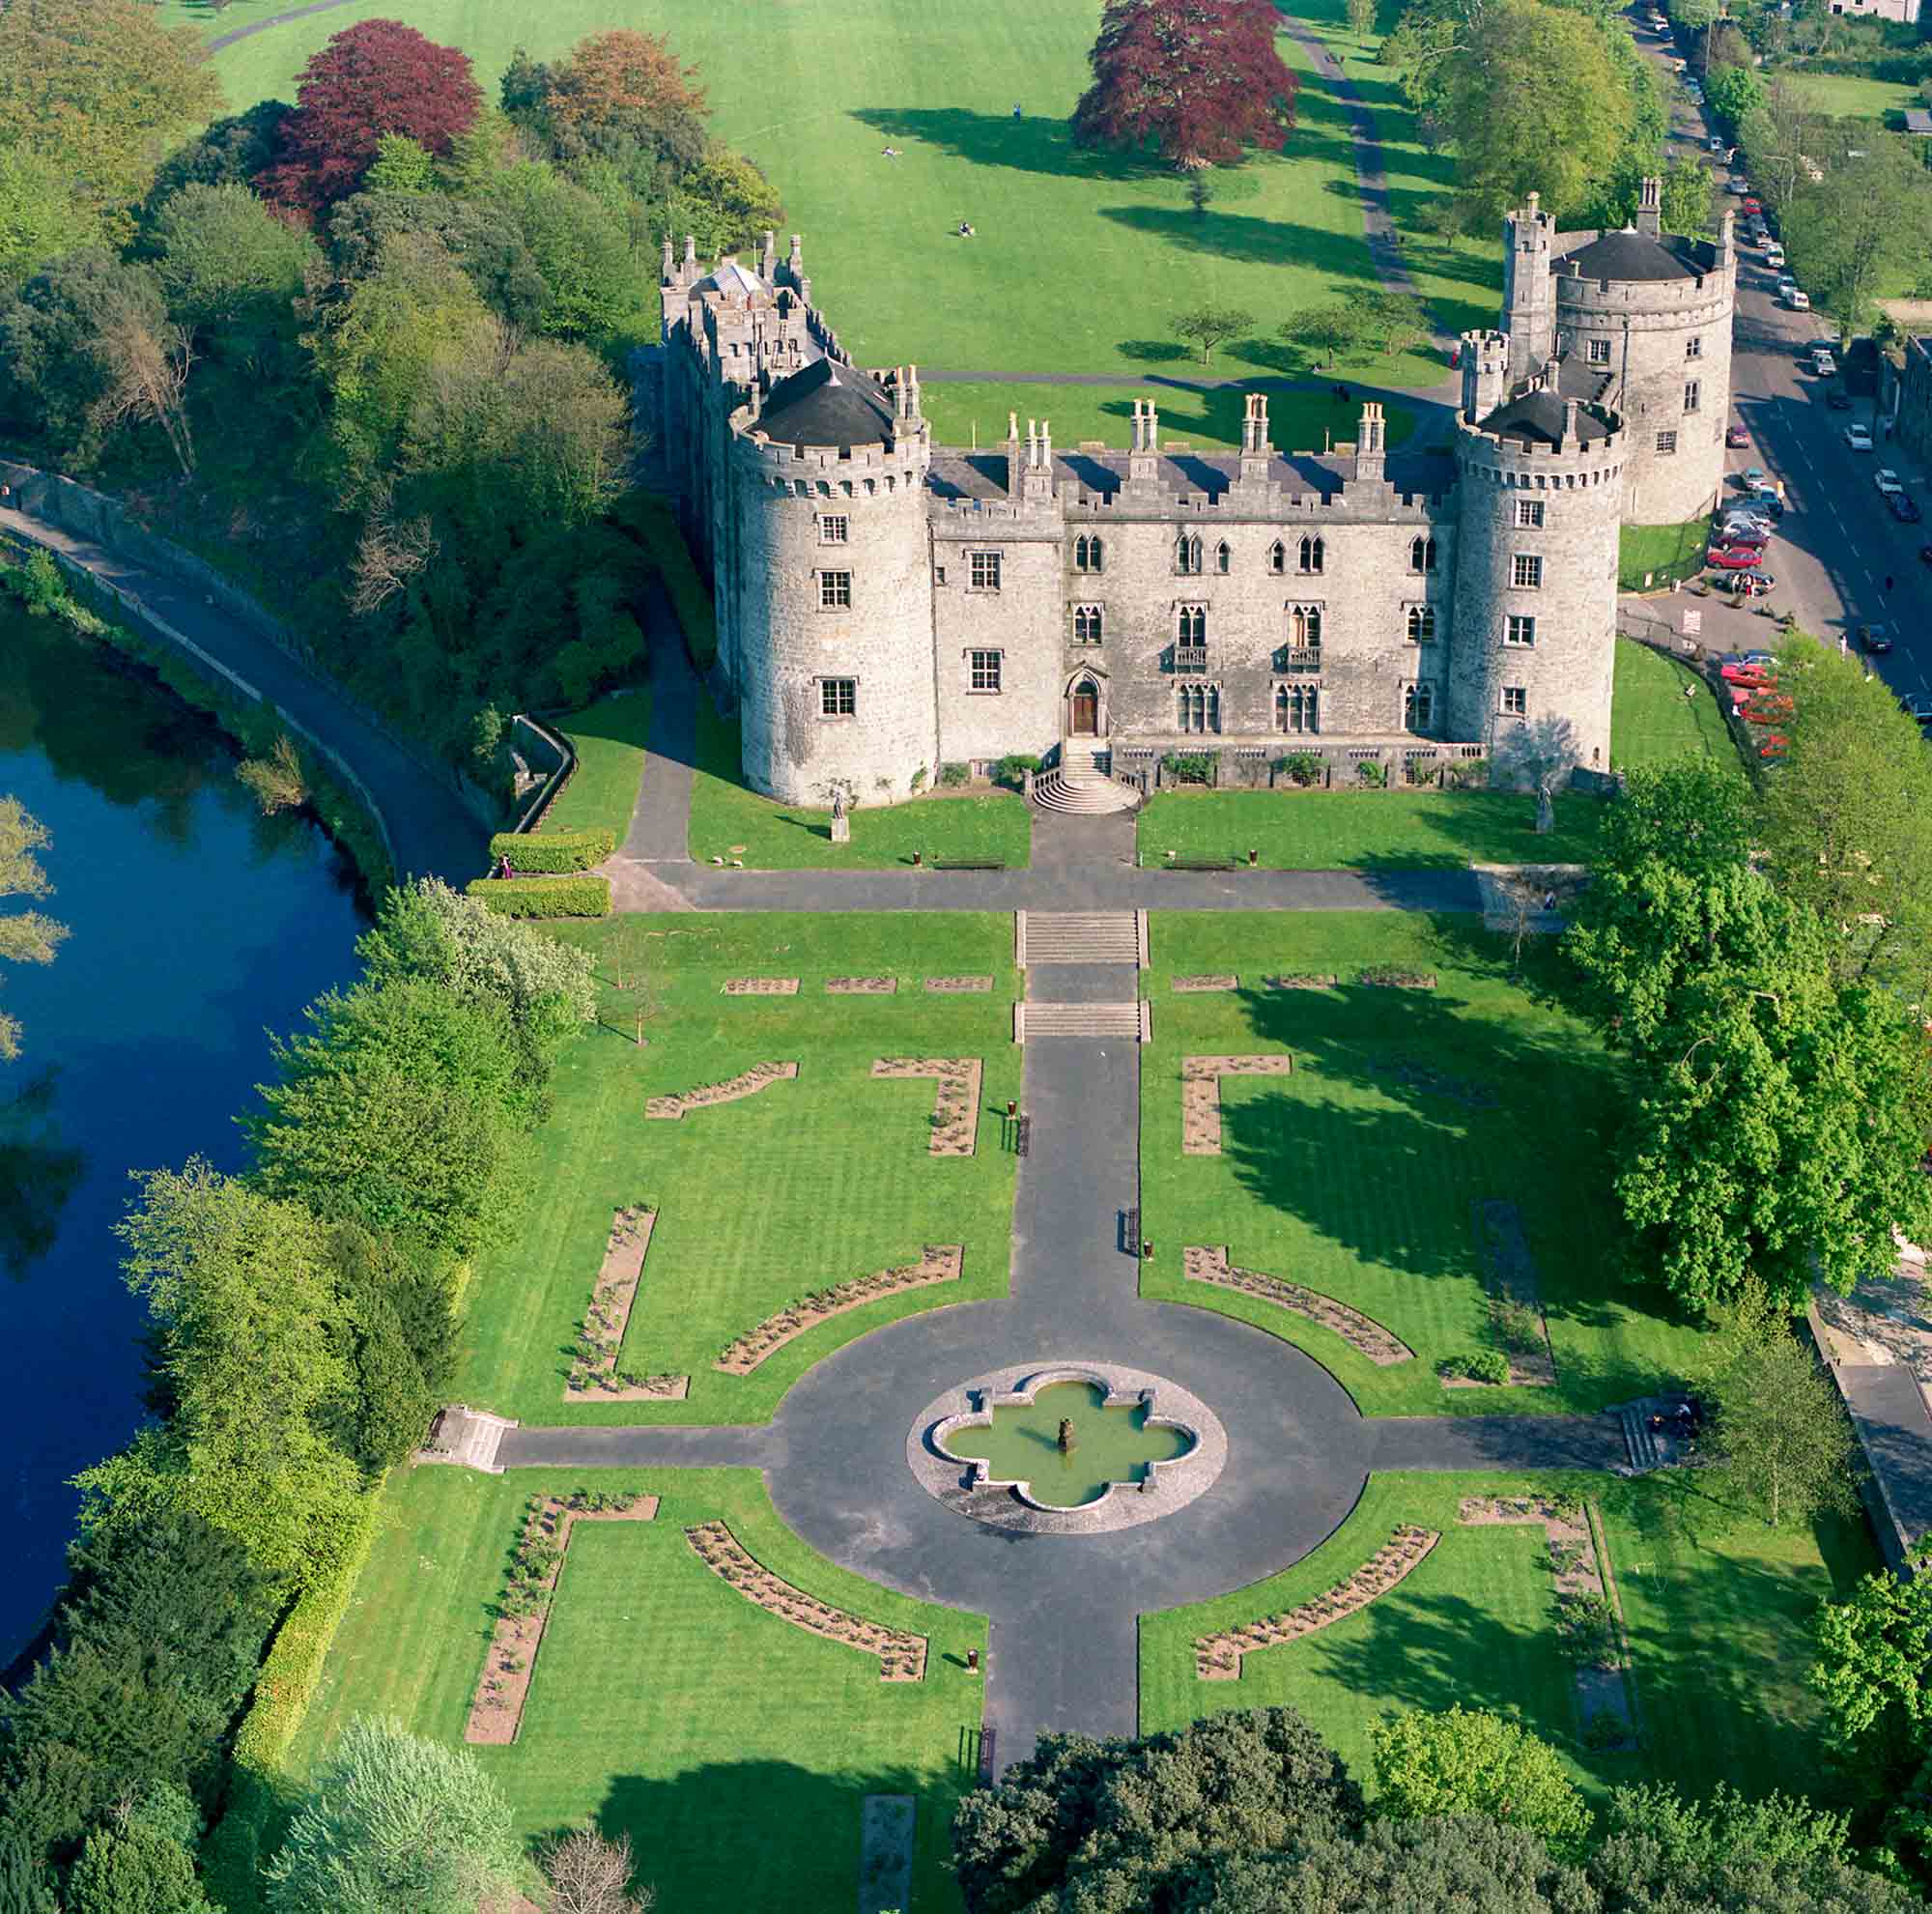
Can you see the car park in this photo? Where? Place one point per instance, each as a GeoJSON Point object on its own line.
{"type": "Point", "coordinates": [1857, 439]}
{"type": "Point", "coordinates": [1887, 480]}
{"type": "Point", "coordinates": [1876, 639]}
{"type": "Point", "coordinates": [1736, 436]}
{"type": "Point", "coordinates": [1904, 508]}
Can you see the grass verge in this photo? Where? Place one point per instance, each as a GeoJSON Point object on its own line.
{"type": "Point", "coordinates": [608, 738]}
{"type": "Point", "coordinates": [1662, 711]}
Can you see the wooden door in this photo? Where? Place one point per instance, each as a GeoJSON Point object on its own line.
{"type": "Point", "coordinates": [1086, 712]}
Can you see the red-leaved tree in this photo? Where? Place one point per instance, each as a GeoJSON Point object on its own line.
{"type": "Point", "coordinates": [1198, 80]}
{"type": "Point", "coordinates": [376, 77]}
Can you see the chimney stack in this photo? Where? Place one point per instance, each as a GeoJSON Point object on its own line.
{"type": "Point", "coordinates": [1650, 207]}
{"type": "Point", "coordinates": [1369, 452]}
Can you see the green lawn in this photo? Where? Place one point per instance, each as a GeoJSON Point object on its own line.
{"type": "Point", "coordinates": [729, 819]}
{"type": "Point", "coordinates": [1662, 711]}
{"type": "Point", "coordinates": [1847, 97]}
{"type": "Point", "coordinates": [1340, 829]}
{"type": "Point", "coordinates": [1718, 1634]}
{"type": "Point", "coordinates": [1360, 1185]}
{"type": "Point", "coordinates": [608, 738]}
{"type": "Point", "coordinates": [729, 1744]}
{"type": "Point", "coordinates": [1648, 553]}
{"type": "Point", "coordinates": [805, 1183]}
{"type": "Point", "coordinates": [1105, 252]}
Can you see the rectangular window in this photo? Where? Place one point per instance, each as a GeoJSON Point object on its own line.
{"type": "Point", "coordinates": [1518, 630]}
{"type": "Point", "coordinates": [1516, 701]}
{"type": "Point", "coordinates": [1691, 392]}
{"type": "Point", "coordinates": [986, 669]}
{"type": "Point", "coordinates": [1298, 708]}
{"type": "Point", "coordinates": [1530, 514]}
{"type": "Point", "coordinates": [835, 530]}
{"type": "Point", "coordinates": [835, 591]}
{"type": "Point", "coordinates": [1526, 571]}
{"type": "Point", "coordinates": [837, 698]}
{"type": "Point", "coordinates": [1694, 346]}
{"type": "Point", "coordinates": [1667, 444]}
{"type": "Point", "coordinates": [1199, 708]}
{"type": "Point", "coordinates": [1596, 352]}
{"type": "Point", "coordinates": [986, 574]}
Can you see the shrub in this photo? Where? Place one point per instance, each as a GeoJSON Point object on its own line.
{"type": "Point", "coordinates": [918, 778]}
{"type": "Point", "coordinates": [1588, 1628]}
{"type": "Point", "coordinates": [1013, 768]}
{"type": "Point", "coordinates": [952, 776]}
{"type": "Point", "coordinates": [544, 897]}
{"type": "Point", "coordinates": [1476, 1365]}
{"type": "Point", "coordinates": [1371, 774]}
{"type": "Point", "coordinates": [553, 851]}
{"type": "Point", "coordinates": [1188, 767]}
{"type": "Point", "coordinates": [1605, 1731]}
{"type": "Point", "coordinates": [1518, 1323]}
{"type": "Point", "coordinates": [1300, 767]}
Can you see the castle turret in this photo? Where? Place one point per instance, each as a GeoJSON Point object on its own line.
{"type": "Point", "coordinates": [1529, 311]}
{"type": "Point", "coordinates": [1484, 358]}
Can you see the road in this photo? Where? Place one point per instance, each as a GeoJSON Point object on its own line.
{"type": "Point", "coordinates": [1838, 542]}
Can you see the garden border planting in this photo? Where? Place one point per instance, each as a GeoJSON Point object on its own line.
{"type": "Point", "coordinates": [955, 1109]}
{"type": "Point", "coordinates": [1219, 1657]}
{"type": "Point", "coordinates": [1201, 1094]}
{"type": "Point", "coordinates": [862, 987]}
{"type": "Point", "coordinates": [1301, 981]}
{"type": "Point", "coordinates": [1362, 1334]}
{"type": "Point", "coordinates": [1200, 986]}
{"type": "Point", "coordinates": [747, 1083]}
{"type": "Point", "coordinates": [497, 1705]}
{"type": "Point", "coordinates": [959, 987]}
{"type": "Point", "coordinates": [760, 986]}
{"type": "Point", "coordinates": [1386, 977]}
{"type": "Point", "coordinates": [939, 1262]}
{"type": "Point", "coordinates": [597, 1375]}
{"type": "Point", "coordinates": [902, 1656]}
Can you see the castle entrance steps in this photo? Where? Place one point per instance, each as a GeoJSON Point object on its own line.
{"type": "Point", "coordinates": [1078, 784]}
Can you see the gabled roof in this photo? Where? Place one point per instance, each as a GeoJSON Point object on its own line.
{"type": "Point", "coordinates": [1635, 255]}
{"type": "Point", "coordinates": [733, 281]}
{"type": "Point", "coordinates": [1535, 418]}
{"type": "Point", "coordinates": [828, 404]}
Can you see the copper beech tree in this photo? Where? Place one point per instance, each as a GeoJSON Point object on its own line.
{"type": "Point", "coordinates": [1198, 81]}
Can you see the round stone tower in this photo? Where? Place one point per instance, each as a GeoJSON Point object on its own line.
{"type": "Point", "coordinates": [835, 662]}
{"type": "Point", "coordinates": [1540, 492]}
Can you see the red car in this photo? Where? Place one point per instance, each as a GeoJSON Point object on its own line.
{"type": "Point", "coordinates": [1752, 205]}
{"type": "Point", "coordinates": [1735, 435]}
{"type": "Point", "coordinates": [1774, 746]}
{"type": "Point", "coordinates": [1746, 674]}
{"type": "Point", "coordinates": [1762, 710]}
{"type": "Point", "coordinates": [1734, 557]}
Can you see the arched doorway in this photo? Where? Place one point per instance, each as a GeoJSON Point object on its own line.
{"type": "Point", "coordinates": [1083, 708]}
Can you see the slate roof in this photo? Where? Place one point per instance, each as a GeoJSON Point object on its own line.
{"type": "Point", "coordinates": [982, 474]}
{"type": "Point", "coordinates": [1535, 418]}
{"type": "Point", "coordinates": [1634, 255]}
{"type": "Point", "coordinates": [732, 279]}
{"type": "Point", "coordinates": [828, 404]}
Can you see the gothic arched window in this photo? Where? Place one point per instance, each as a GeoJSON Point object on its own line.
{"type": "Point", "coordinates": [1186, 553]}
{"type": "Point", "coordinates": [1277, 557]}
{"type": "Point", "coordinates": [1422, 554]}
{"type": "Point", "coordinates": [1192, 625]}
{"type": "Point", "coordinates": [1223, 558]}
{"type": "Point", "coordinates": [1086, 624]}
{"type": "Point", "coordinates": [1421, 623]}
{"type": "Point", "coordinates": [1087, 552]}
{"type": "Point", "coordinates": [1309, 555]}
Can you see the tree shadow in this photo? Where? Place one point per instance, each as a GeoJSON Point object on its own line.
{"type": "Point", "coordinates": [1151, 352]}
{"type": "Point", "coordinates": [1033, 143]}
{"type": "Point", "coordinates": [39, 1173]}
{"type": "Point", "coordinates": [1248, 239]}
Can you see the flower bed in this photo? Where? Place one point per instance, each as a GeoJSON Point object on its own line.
{"type": "Point", "coordinates": [748, 1083]}
{"type": "Point", "coordinates": [600, 1339]}
{"type": "Point", "coordinates": [902, 1657]}
{"type": "Point", "coordinates": [862, 987]}
{"type": "Point", "coordinates": [1385, 977]}
{"type": "Point", "coordinates": [496, 1709]}
{"type": "Point", "coordinates": [940, 1264]}
{"type": "Point", "coordinates": [955, 1112]}
{"type": "Point", "coordinates": [1218, 1657]}
{"type": "Point", "coordinates": [1302, 980]}
{"type": "Point", "coordinates": [761, 987]}
{"type": "Point", "coordinates": [1382, 1347]}
{"type": "Point", "coordinates": [1204, 983]}
{"type": "Point", "coordinates": [960, 987]}
{"type": "Point", "coordinates": [1201, 1095]}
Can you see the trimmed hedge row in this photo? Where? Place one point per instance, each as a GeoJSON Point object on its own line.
{"type": "Point", "coordinates": [544, 897]}
{"type": "Point", "coordinates": [553, 851]}
{"type": "Point", "coordinates": [283, 1690]}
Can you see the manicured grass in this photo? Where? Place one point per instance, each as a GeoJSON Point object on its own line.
{"type": "Point", "coordinates": [1848, 97]}
{"type": "Point", "coordinates": [1340, 829]}
{"type": "Point", "coordinates": [1362, 1184]}
{"type": "Point", "coordinates": [1662, 711]}
{"type": "Point", "coordinates": [808, 1183]}
{"type": "Point", "coordinates": [1080, 259]}
{"type": "Point", "coordinates": [731, 820]}
{"type": "Point", "coordinates": [608, 738]}
{"type": "Point", "coordinates": [1719, 1627]}
{"type": "Point", "coordinates": [1201, 417]}
{"type": "Point", "coordinates": [1648, 553]}
{"type": "Point", "coordinates": [726, 1741]}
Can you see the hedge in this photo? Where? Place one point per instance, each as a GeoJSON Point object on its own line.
{"type": "Point", "coordinates": [544, 897]}
{"type": "Point", "coordinates": [553, 850]}
{"type": "Point", "coordinates": [258, 1791]}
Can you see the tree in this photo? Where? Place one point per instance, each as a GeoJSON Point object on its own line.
{"type": "Point", "coordinates": [1334, 331]}
{"type": "Point", "coordinates": [1470, 1762]}
{"type": "Point", "coordinates": [578, 247]}
{"type": "Point", "coordinates": [26, 936]}
{"type": "Point", "coordinates": [1776, 1418]}
{"type": "Point", "coordinates": [231, 152]}
{"type": "Point", "coordinates": [1874, 1664]}
{"type": "Point", "coordinates": [1361, 16]}
{"type": "Point", "coordinates": [147, 381]}
{"type": "Point", "coordinates": [99, 89]}
{"type": "Point", "coordinates": [41, 216]}
{"type": "Point", "coordinates": [225, 260]}
{"type": "Point", "coordinates": [588, 1875]}
{"type": "Point", "coordinates": [1867, 218]}
{"type": "Point", "coordinates": [400, 165]}
{"type": "Point", "coordinates": [135, 1869]}
{"type": "Point", "coordinates": [1205, 326]}
{"type": "Point", "coordinates": [1196, 81]}
{"type": "Point", "coordinates": [1732, 93]}
{"type": "Point", "coordinates": [1540, 754]}
{"type": "Point", "coordinates": [1396, 321]}
{"type": "Point", "coordinates": [615, 91]}
{"type": "Point", "coordinates": [1685, 197]}
{"type": "Point", "coordinates": [1103, 1824]}
{"type": "Point", "coordinates": [376, 77]}
{"type": "Point", "coordinates": [395, 1820]}
{"type": "Point", "coordinates": [724, 201]}
{"type": "Point", "coordinates": [23, 1886]}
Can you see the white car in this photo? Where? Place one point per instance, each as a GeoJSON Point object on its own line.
{"type": "Point", "coordinates": [1887, 480]}
{"type": "Point", "coordinates": [1745, 524]}
{"type": "Point", "coordinates": [1773, 253]}
{"type": "Point", "coordinates": [1857, 439]}
{"type": "Point", "coordinates": [1824, 365]}
{"type": "Point", "coordinates": [1796, 300]}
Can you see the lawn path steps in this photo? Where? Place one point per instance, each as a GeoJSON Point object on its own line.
{"type": "Point", "coordinates": [510, 1663]}
{"type": "Point", "coordinates": [902, 1656]}
{"type": "Point", "coordinates": [610, 1316]}
{"type": "Point", "coordinates": [956, 1111]}
{"type": "Point", "coordinates": [1363, 1334]}
{"type": "Point", "coordinates": [1578, 1561]}
{"type": "Point", "coordinates": [1219, 1657]}
{"type": "Point", "coordinates": [1510, 1271]}
{"type": "Point", "coordinates": [1201, 1095]}
{"type": "Point", "coordinates": [940, 1263]}
{"type": "Point", "coordinates": [747, 1083]}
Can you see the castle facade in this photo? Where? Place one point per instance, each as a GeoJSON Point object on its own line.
{"type": "Point", "coordinates": [887, 606]}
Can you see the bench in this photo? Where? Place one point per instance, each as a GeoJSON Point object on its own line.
{"type": "Point", "coordinates": [1202, 864]}
{"type": "Point", "coordinates": [968, 863]}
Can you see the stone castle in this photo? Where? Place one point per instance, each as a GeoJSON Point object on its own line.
{"type": "Point", "coordinates": [887, 606]}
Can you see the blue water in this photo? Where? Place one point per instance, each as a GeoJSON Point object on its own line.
{"type": "Point", "coordinates": [197, 927]}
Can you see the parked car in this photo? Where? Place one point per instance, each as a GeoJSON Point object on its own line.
{"type": "Point", "coordinates": [1773, 253]}
{"type": "Point", "coordinates": [1824, 365]}
{"type": "Point", "coordinates": [1769, 707]}
{"type": "Point", "coordinates": [1753, 584]}
{"type": "Point", "coordinates": [1736, 436]}
{"type": "Point", "coordinates": [1797, 300]}
{"type": "Point", "coordinates": [1858, 437]}
{"type": "Point", "coordinates": [1751, 205]}
{"type": "Point", "coordinates": [1838, 399]}
{"type": "Point", "coordinates": [1774, 747]}
{"type": "Point", "coordinates": [1904, 508]}
{"type": "Point", "coordinates": [1734, 557]}
{"type": "Point", "coordinates": [1917, 705]}
{"type": "Point", "coordinates": [1887, 480]}
{"type": "Point", "coordinates": [1785, 284]}
{"type": "Point", "coordinates": [1875, 639]}
{"type": "Point", "coordinates": [1737, 184]}
{"type": "Point", "coordinates": [1767, 499]}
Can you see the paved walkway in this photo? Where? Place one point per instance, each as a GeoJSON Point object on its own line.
{"type": "Point", "coordinates": [234, 34]}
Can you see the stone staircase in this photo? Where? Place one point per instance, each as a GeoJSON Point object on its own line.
{"type": "Point", "coordinates": [1035, 1021]}
{"type": "Point", "coordinates": [1638, 1442]}
{"type": "Point", "coordinates": [1079, 936]}
{"type": "Point", "coordinates": [1078, 784]}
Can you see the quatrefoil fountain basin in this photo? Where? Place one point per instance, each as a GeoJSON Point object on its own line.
{"type": "Point", "coordinates": [1139, 1447]}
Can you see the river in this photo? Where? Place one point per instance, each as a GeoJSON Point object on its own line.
{"type": "Point", "coordinates": [197, 927]}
